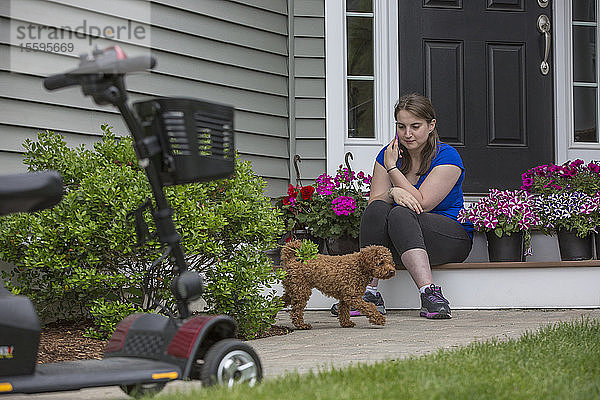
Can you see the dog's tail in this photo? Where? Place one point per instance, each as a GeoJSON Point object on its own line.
{"type": "Point", "coordinates": [288, 252]}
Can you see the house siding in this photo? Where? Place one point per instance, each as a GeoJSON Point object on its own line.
{"type": "Point", "coordinates": [309, 87]}
{"type": "Point", "coordinates": [232, 52]}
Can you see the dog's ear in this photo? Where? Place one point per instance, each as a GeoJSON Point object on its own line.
{"type": "Point", "coordinates": [374, 257]}
{"type": "Point", "coordinates": [367, 258]}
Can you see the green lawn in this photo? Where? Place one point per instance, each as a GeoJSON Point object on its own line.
{"type": "Point", "coordinates": [560, 361]}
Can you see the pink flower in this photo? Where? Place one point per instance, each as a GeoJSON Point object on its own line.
{"type": "Point", "coordinates": [343, 205]}
{"type": "Point", "coordinates": [324, 185]}
{"type": "Point", "coordinates": [594, 167]}
{"type": "Point", "coordinates": [462, 216]}
{"type": "Point", "coordinates": [528, 182]}
{"type": "Point", "coordinates": [588, 208]}
{"type": "Point", "coordinates": [577, 163]}
{"type": "Point", "coordinates": [490, 221]}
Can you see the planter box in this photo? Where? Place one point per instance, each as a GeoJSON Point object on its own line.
{"type": "Point", "coordinates": [545, 248]}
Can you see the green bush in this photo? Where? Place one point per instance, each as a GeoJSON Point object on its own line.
{"type": "Point", "coordinates": [84, 249]}
{"type": "Point", "coordinates": [308, 250]}
{"type": "Point", "coordinates": [107, 315]}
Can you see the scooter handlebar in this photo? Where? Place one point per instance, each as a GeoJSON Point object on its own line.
{"type": "Point", "coordinates": [99, 66]}
{"type": "Point", "coordinates": [60, 81]}
{"type": "Point", "coordinates": [121, 66]}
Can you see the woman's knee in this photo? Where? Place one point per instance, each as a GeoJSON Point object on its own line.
{"type": "Point", "coordinates": [401, 214]}
{"type": "Point", "coordinates": [376, 210]}
{"type": "Point", "coordinates": [404, 229]}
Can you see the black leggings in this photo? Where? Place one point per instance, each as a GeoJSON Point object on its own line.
{"type": "Point", "coordinates": [400, 229]}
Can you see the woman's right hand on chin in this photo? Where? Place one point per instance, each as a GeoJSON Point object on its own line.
{"type": "Point", "coordinates": [392, 154]}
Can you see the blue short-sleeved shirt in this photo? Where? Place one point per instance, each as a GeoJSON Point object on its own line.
{"type": "Point", "coordinates": [453, 202]}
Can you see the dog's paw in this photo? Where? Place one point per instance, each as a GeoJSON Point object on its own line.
{"type": "Point", "coordinates": [377, 319]}
{"type": "Point", "coordinates": [348, 324]}
{"type": "Point", "coordinates": [304, 326]}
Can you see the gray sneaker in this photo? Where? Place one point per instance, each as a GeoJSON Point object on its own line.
{"type": "Point", "coordinates": [434, 305]}
{"type": "Point", "coordinates": [368, 297]}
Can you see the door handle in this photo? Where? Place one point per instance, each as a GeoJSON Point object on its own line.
{"type": "Point", "coordinates": [543, 26]}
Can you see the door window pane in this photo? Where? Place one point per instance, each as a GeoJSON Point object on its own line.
{"type": "Point", "coordinates": [585, 110]}
{"type": "Point", "coordinates": [361, 121]}
{"type": "Point", "coordinates": [359, 5]}
{"type": "Point", "coordinates": [584, 10]}
{"type": "Point", "coordinates": [585, 71]}
{"type": "Point", "coordinates": [360, 46]}
{"type": "Point", "coordinates": [584, 54]}
{"type": "Point", "coordinates": [360, 78]}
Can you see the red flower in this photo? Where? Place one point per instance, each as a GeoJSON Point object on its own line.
{"type": "Point", "coordinates": [306, 192]}
{"type": "Point", "coordinates": [292, 191]}
{"type": "Point", "coordinates": [286, 201]}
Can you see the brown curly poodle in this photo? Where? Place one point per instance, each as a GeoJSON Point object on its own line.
{"type": "Point", "coordinates": [342, 277]}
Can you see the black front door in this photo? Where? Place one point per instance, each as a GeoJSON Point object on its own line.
{"type": "Point", "coordinates": [479, 63]}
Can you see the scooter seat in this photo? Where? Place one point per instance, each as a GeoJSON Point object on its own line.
{"type": "Point", "coordinates": [30, 191]}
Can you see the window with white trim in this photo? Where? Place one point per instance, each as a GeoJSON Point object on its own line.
{"type": "Point", "coordinates": [585, 71]}
{"type": "Point", "coordinates": [360, 70]}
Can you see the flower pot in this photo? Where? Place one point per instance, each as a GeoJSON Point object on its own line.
{"type": "Point", "coordinates": [274, 255]}
{"type": "Point", "coordinates": [505, 248]}
{"type": "Point", "coordinates": [597, 235]}
{"type": "Point", "coordinates": [343, 245]}
{"type": "Point", "coordinates": [298, 234]}
{"type": "Point", "coordinates": [572, 247]}
{"type": "Point", "coordinates": [301, 234]}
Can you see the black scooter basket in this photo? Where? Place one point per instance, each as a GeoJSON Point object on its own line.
{"type": "Point", "coordinates": [195, 136]}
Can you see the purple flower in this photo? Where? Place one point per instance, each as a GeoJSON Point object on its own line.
{"type": "Point", "coordinates": [324, 185]}
{"type": "Point", "coordinates": [577, 163]}
{"type": "Point", "coordinates": [502, 208]}
{"type": "Point", "coordinates": [462, 216]}
{"type": "Point", "coordinates": [564, 208]}
{"type": "Point", "coordinates": [343, 205]}
{"type": "Point", "coordinates": [588, 208]}
{"type": "Point", "coordinates": [344, 176]}
{"type": "Point", "coordinates": [595, 168]}
{"type": "Point", "coordinates": [490, 222]}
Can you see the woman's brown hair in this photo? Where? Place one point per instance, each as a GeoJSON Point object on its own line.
{"type": "Point", "coordinates": [421, 107]}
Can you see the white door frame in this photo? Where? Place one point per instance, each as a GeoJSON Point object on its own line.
{"type": "Point", "coordinates": [563, 93]}
{"type": "Point", "coordinates": [386, 85]}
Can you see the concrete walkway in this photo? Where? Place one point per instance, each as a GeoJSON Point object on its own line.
{"type": "Point", "coordinates": [404, 334]}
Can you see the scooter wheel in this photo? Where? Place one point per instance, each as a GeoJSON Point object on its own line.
{"type": "Point", "coordinates": [231, 362]}
{"type": "Point", "coordinates": [140, 390]}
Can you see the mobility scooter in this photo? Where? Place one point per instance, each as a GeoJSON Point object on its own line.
{"type": "Point", "coordinates": [177, 141]}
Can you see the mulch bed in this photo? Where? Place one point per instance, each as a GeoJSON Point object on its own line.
{"type": "Point", "coordinates": [65, 342]}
